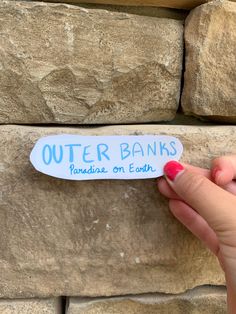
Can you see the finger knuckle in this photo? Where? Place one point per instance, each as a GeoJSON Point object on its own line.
{"type": "Point", "coordinates": [193, 184]}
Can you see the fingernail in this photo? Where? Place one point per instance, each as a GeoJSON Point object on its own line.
{"type": "Point", "coordinates": [172, 168]}
{"type": "Point", "coordinates": [216, 173]}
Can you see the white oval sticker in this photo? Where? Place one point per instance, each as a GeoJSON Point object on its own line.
{"type": "Point", "coordinates": [76, 157]}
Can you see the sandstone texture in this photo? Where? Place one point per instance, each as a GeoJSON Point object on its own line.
{"type": "Point", "coordinates": [208, 300]}
{"type": "Point", "coordinates": [209, 81]}
{"type": "Point", "coordinates": [30, 306]}
{"type": "Point", "coordinates": [98, 238]}
{"type": "Point", "coordinates": [66, 64]}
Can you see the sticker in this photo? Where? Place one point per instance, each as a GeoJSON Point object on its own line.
{"type": "Point", "coordinates": [76, 157]}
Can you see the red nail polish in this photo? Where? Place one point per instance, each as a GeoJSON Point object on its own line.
{"type": "Point", "coordinates": [172, 168]}
{"type": "Point", "coordinates": [215, 173]}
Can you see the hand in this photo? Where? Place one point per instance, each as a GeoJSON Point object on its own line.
{"type": "Point", "coordinates": [205, 202]}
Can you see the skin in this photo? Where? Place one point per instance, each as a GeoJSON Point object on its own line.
{"type": "Point", "coordinates": [205, 202]}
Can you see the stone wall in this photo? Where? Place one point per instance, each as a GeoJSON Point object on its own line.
{"type": "Point", "coordinates": [102, 247]}
{"type": "Point", "coordinates": [198, 301]}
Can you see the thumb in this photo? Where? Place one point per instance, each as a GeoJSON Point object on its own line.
{"type": "Point", "coordinates": [215, 205]}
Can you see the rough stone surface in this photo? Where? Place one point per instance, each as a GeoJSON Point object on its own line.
{"type": "Point", "coordinates": [210, 300]}
{"type": "Point", "coordinates": [66, 64]}
{"type": "Point", "coordinates": [30, 306]}
{"type": "Point", "coordinates": [209, 82]}
{"type": "Point", "coordinates": [98, 238]}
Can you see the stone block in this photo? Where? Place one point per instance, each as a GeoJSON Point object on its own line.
{"type": "Point", "coordinates": [69, 65]}
{"type": "Point", "coordinates": [31, 306]}
{"type": "Point", "coordinates": [98, 238]}
{"type": "Point", "coordinates": [209, 80]}
{"type": "Point", "coordinates": [210, 300]}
